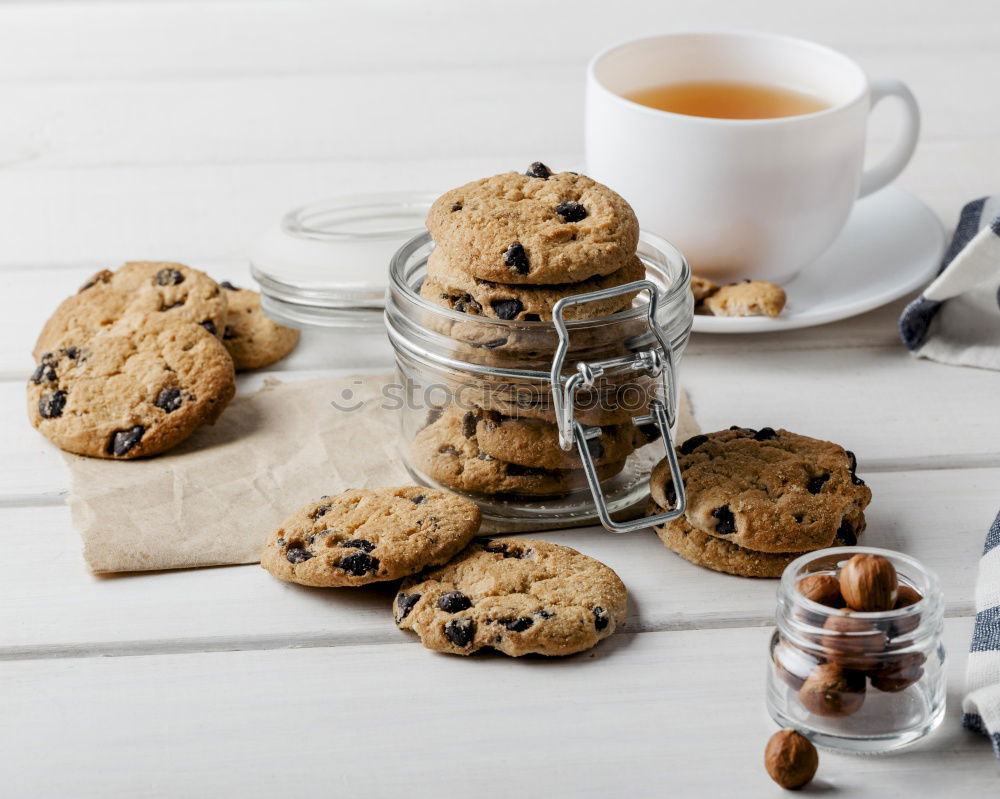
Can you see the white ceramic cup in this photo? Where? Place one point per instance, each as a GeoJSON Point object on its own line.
{"type": "Point", "coordinates": [741, 198]}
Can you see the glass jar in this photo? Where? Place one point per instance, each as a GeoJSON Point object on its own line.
{"type": "Point", "coordinates": [857, 682]}
{"type": "Point", "coordinates": [479, 414]}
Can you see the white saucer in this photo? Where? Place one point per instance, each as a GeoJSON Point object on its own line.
{"type": "Point", "coordinates": [892, 245]}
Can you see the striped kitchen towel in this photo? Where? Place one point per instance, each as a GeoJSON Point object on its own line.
{"type": "Point", "coordinates": [957, 318]}
{"type": "Point", "coordinates": [981, 706]}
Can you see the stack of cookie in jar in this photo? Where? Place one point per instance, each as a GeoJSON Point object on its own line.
{"type": "Point", "coordinates": [507, 249]}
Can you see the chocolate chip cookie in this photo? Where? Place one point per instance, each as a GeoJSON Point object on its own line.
{"type": "Point", "coordinates": [175, 291]}
{"type": "Point", "coordinates": [531, 442]}
{"type": "Point", "coordinates": [615, 406]}
{"type": "Point", "coordinates": [456, 289]}
{"type": "Point", "coordinates": [750, 298]}
{"type": "Point", "coordinates": [138, 388]}
{"type": "Point", "coordinates": [447, 451]}
{"type": "Point", "coordinates": [767, 490]}
{"type": "Point", "coordinates": [721, 555]}
{"type": "Point", "coordinates": [368, 535]}
{"type": "Point", "coordinates": [253, 339]}
{"type": "Point", "coordinates": [536, 228]}
{"type": "Point", "coordinates": [515, 595]}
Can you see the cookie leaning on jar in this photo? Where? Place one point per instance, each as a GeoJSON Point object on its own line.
{"type": "Point", "coordinates": [757, 499]}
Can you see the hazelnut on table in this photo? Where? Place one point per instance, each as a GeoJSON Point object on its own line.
{"type": "Point", "coordinates": [790, 759]}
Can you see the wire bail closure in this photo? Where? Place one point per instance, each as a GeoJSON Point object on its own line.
{"type": "Point", "coordinates": [658, 363]}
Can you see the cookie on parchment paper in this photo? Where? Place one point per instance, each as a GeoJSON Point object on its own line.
{"type": "Point", "coordinates": [138, 388]}
{"type": "Point", "coordinates": [363, 536]}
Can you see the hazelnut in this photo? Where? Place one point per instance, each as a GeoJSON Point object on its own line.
{"type": "Point", "coordinates": [868, 583]}
{"type": "Point", "coordinates": [833, 691]}
{"type": "Point", "coordinates": [906, 596]}
{"type": "Point", "coordinates": [822, 588]}
{"type": "Point", "coordinates": [791, 759]}
{"type": "Point", "coordinates": [852, 642]}
{"type": "Point", "coordinates": [898, 672]}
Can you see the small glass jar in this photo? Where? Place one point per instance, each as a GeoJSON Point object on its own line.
{"type": "Point", "coordinates": [851, 681]}
{"type": "Point", "coordinates": [478, 411]}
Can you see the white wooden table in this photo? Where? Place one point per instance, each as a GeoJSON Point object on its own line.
{"type": "Point", "coordinates": [178, 130]}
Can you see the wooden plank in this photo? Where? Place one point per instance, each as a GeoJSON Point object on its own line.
{"type": "Point", "coordinates": [61, 610]}
{"type": "Point", "coordinates": [890, 408]}
{"type": "Point", "coordinates": [112, 41]}
{"type": "Point", "coordinates": [680, 713]}
{"type": "Point", "coordinates": [278, 119]}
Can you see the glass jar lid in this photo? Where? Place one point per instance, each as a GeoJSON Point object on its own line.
{"type": "Point", "coordinates": [326, 263]}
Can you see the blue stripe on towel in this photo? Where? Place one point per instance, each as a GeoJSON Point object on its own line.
{"type": "Point", "coordinates": [986, 635]}
{"type": "Point", "coordinates": [993, 536]}
{"type": "Point", "coordinates": [918, 315]}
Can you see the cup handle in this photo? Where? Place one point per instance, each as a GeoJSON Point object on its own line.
{"type": "Point", "coordinates": [888, 169]}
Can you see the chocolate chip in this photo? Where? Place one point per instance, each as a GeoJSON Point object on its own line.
{"type": "Point", "coordinates": [492, 345]}
{"type": "Point", "coordinates": [538, 170]}
{"type": "Point", "coordinates": [228, 286]}
{"type": "Point", "coordinates": [469, 424]}
{"type": "Point", "coordinates": [359, 564]}
{"type": "Point", "coordinates": [209, 325]}
{"type": "Point", "coordinates": [51, 405]}
{"type": "Point", "coordinates": [228, 334]}
{"type": "Point", "coordinates": [765, 434]}
{"type": "Point", "coordinates": [72, 352]}
{"type": "Point", "coordinates": [846, 533]}
{"type": "Point", "coordinates": [320, 511]}
{"type": "Point", "coordinates": [799, 518]}
{"type": "Point", "coordinates": [456, 207]}
{"type": "Point", "coordinates": [123, 440]}
{"type": "Point", "coordinates": [544, 614]}
{"type": "Point", "coordinates": [297, 554]}
{"type": "Point", "coordinates": [670, 492]}
{"type": "Point", "coordinates": [169, 400]}
{"type": "Point", "coordinates": [433, 415]}
{"type": "Point", "coordinates": [815, 484]}
{"type": "Point", "coordinates": [453, 602]}
{"type": "Point", "coordinates": [507, 309]}
{"type": "Point", "coordinates": [44, 373]}
{"type": "Point", "coordinates": [692, 444]}
{"type": "Point", "coordinates": [358, 543]}
{"type": "Point", "coordinates": [854, 468]}
{"type": "Point", "coordinates": [404, 604]}
{"type": "Point", "coordinates": [485, 456]}
{"type": "Point", "coordinates": [505, 549]}
{"type": "Point", "coordinates": [419, 499]}
{"type": "Point", "coordinates": [516, 258]}
{"type": "Point", "coordinates": [726, 524]}
{"type": "Point", "coordinates": [532, 317]}
{"type": "Point", "coordinates": [169, 277]}
{"type": "Point", "coordinates": [571, 211]}
{"type": "Point", "coordinates": [178, 304]}
{"type": "Point", "coordinates": [518, 625]}
{"type": "Point", "coordinates": [596, 448]}
{"type": "Point", "coordinates": [601, 618]}
{"type": "Point", "coordinates": [650, 432]}
{"type": "Point", "coordinates": [460, 631]}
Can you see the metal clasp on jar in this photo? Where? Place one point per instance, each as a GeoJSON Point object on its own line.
{"type": "Point", "coordinates": [656, 362]}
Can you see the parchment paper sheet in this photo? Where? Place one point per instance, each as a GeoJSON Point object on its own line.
{"type": "Point", "coordinates": [213, 499]}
